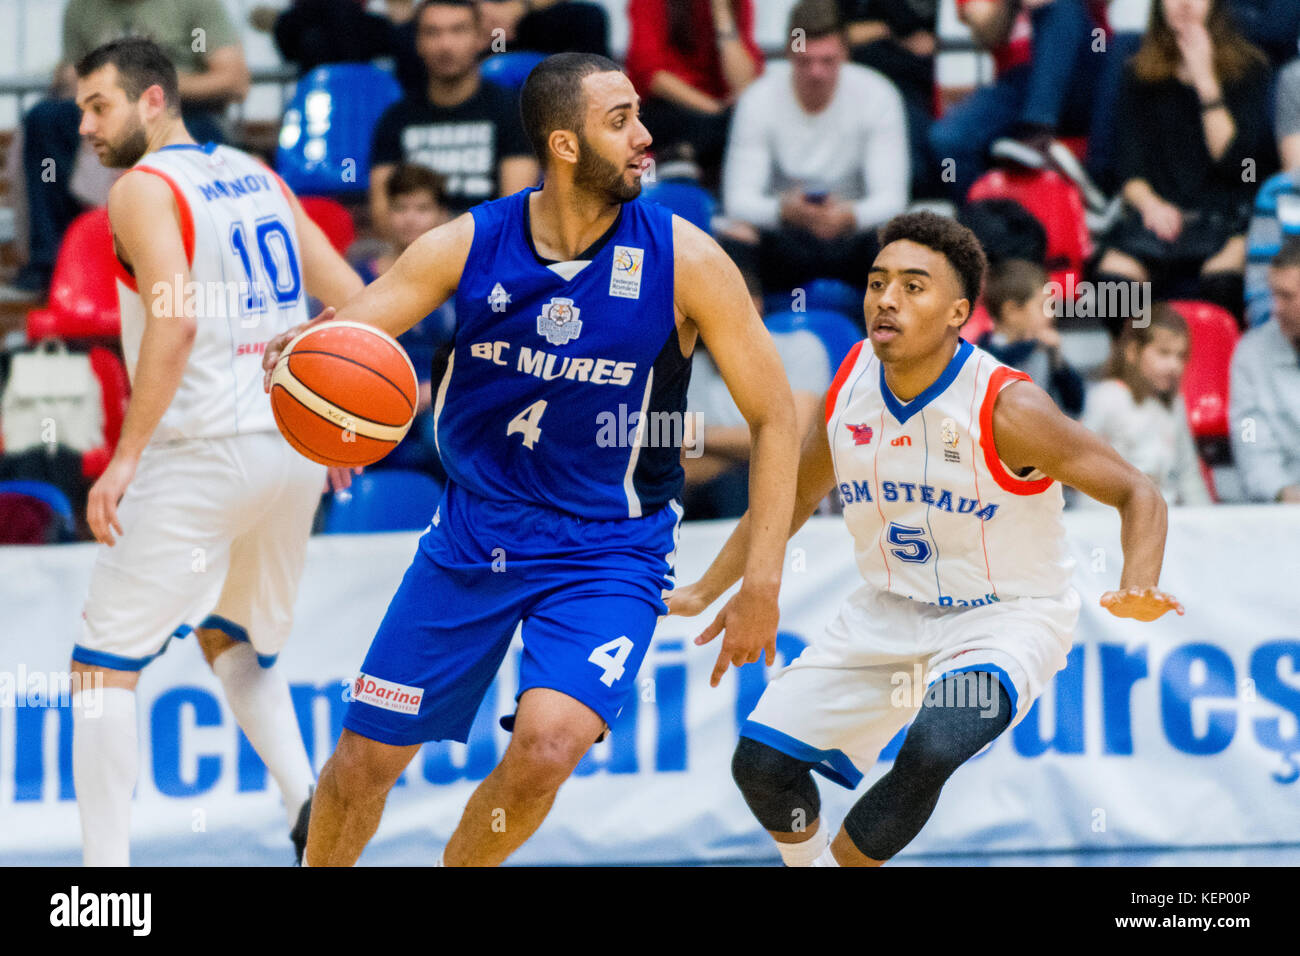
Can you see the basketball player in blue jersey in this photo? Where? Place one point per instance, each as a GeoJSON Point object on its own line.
{"type": "Point", "coordinates": [949, 466]}
{"type": "Point", "coordinates": [577, 309]}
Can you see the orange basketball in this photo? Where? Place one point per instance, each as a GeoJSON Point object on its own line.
{"type": "Point", "coordinates": [344, 393]}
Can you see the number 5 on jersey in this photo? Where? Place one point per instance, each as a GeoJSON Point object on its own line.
{"type": "Point", "coordinates": [526, 423]}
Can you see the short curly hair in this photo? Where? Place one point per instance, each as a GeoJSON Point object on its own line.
{"type": "Point", "coordinates": [947, 237]}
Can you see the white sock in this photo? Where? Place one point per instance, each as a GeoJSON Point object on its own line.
{"type": "Point", "coordinates": [826, 859]}
{"type": "Point", "coordinates": [803, 854]}
{"type": "Point", "coordinates": [105, 763]}
{"type": "Point", "coordinates": [259, 697]}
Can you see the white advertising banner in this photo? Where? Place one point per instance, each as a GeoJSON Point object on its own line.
{"type": "Point", "coordinates": [1182, 732]}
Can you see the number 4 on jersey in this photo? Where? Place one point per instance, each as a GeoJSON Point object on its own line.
{"type": "Point", "coordinates": [525, 423]}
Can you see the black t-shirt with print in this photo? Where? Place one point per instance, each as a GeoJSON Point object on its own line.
{"type": "Point", "coordinates": [465, 143]}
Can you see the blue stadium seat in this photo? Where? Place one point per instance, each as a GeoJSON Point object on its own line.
{"type": "Point", "coordinates": [690, 201]}
{"type": "Point", "coordinates": [835, 331]}
{"type": "Point", "coordinates": [510, 69]}
{"type": "Point", "coordinates": [52, 496]}
{"type": "Point", "coordinates": [325, 135]}
{"type": "Point", "coordinates": [829, 295]}
{"type": "Point", "coordinates": [393, 500]}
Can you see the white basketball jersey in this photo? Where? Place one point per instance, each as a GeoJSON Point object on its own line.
{"type": "Point", "coordinates": [245, 280]}
{"type": "Point", "coordinates": [935, 514]}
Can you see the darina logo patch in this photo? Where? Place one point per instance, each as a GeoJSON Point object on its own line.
{"type": "Point", "coordinates": [559, 322]}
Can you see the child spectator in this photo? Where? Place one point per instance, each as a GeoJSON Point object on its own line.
{"type": "Point", "coordinates": [1138, 407]}
{"type": "Point", "coordinates": [1024, 333]}
{"type": "Point", "coordinates": [416, 203]}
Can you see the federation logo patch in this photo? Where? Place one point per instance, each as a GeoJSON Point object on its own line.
{"type": "Point", "coordinates": [559, 323]}
{"type": "Point", "coordinates": [387, 694]}
{"type": "Point", "coordinates": [861, 434]}
{"type": "Point", "coordinates": [625, 274]}
{"type": "Point", "coordinates": [948, 435]}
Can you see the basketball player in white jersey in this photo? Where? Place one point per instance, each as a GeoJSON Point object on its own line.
{"type": "Point", "coordinates": [216, 257]}
{"type": "Point", "coordinates": [949, 467]}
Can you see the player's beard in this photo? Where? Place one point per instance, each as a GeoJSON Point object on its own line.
{"type": "Point", "coordinates": [133, 144]}
{"type": "Point", "coordinates": [598, 175]}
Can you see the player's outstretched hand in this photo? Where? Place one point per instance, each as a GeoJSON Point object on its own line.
{"type": "Point", "coordinates": [689, 601]}
{"type": "Point", "coordinates": [340, 479]}
{"type": "Point", "coordinates": [276, 346]}
{"type": "Point", "coordinates": [101, 503]}
{"type": "Point", "coordinates": [1145, 604]}
{"type": "Point", "coordinates": [748, 625]}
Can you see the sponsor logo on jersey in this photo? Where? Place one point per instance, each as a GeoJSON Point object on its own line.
{"type": "Point", "coordinates": [559, 323]}
{"type": "Point", "coordinates": [387, 694]}
{"type": "Point", "coordinates": [251, 348]}
{"type": "Point", "coordinates": [625, 273]}
{"type": "Point", "coordinates": [902, 440]}
{"type": "Point", "coordinates": [948, 435]}
{"type": "Point", "coordinates": [861, 434]}
{"type": "Point", "coordinates": [498, 298]}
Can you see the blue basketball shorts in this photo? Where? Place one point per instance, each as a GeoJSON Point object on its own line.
{"type": "Point", "coordinates": [588, 593]}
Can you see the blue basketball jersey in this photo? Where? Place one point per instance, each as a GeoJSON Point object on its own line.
{"type": "Point", "coordinates": [566, 392]}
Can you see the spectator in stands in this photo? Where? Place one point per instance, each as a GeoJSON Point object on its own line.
{"type": "Point", "coordinates": [1052, 77]}
{"type": "Point", "coordinates": [1277, 205]}
{"type": "Point", "coordinates": [416, 203]}
{"type": "Point", "coordinates": [897, 38]}
{"type": "Point", "coordinates": [542, 26]}
{"type": "Point", "coordinates": [461, 126]}
{"type": "Point", "coordinates": [1287, 115]}
{"type": "Point", "coordinates": [197, 35]}
{"type": "Point", "coordinates": [1139, 409]}
{"type": "Point", "coordinates": [1265, 392]}
{"type": "Point", "coordinates": [1024, 333]}
{"type": "Point", "coordinates": [1196, 83]}
{"type": "Point", "coordinates": [1272, 25]}
{"type": "Point", "coordinates": [689, 61]}
{"type": "Point", "coordinates": [716, 443]}
{"type": "Point", "coordinates": [817, 158]}
{"type": "Point", "coordinates": [309, 33]}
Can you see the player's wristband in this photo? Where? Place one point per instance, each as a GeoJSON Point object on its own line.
{"type": "Point", "coordinates": [1212, 105]}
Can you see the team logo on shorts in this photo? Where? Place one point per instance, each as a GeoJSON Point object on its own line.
{"type": "Point", "coordinates": [948, 435]}
{"type": "Point", "coordinates": [861, 434]}
{"type": "Point", "coordinates": [559, 322]}
{"type": "Point", "coordinates": [387, 694]}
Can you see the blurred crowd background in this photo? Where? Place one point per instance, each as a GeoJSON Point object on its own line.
{"type": "Point", "coordinates": [1132, 168]}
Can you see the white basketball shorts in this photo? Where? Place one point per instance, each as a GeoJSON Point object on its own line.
{"type": "Point", "coordinates": [851, 690]}
{"type": "Point", "coordinates": [214, 534]}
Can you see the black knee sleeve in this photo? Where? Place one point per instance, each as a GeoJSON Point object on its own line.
{"type": "Point", "coordinates": [778, 788]}
{"type": "Point", "coordinates": [1226, 290]}
{"type": "Point", "coordinates": [959, 717]}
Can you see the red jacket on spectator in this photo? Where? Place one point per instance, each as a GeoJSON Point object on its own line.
{"type": "Point", "coordinates": [650, 51]}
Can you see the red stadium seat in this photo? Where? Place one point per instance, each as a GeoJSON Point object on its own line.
{"type": "Point", "coordinates": [1213, 332]}
{"type": "Point", "coordinates": [83, 291]}
{"type": "Point", "coordinates": [1055, 202]}
{"type": "Point", "coordinates": [115, 388]}
{"type": "Point", "coordinates": [334, 220]}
